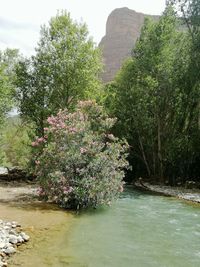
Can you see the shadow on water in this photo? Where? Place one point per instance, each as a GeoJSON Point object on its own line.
{"type": "Point", "coordinates": [29, 202]}
{"type": "Point", "coordinates": [32, 206]}
{"type": "Point", "coordinates": [129, 193]}
{"type": "Point", "coordinates": [136, 192]}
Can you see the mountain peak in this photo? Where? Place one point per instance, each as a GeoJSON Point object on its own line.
{"type": "Point", "coordinates": [122, 30]}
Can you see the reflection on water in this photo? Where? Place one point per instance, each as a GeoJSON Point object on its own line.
{"type": "Point", "coordinates": [138, 230]}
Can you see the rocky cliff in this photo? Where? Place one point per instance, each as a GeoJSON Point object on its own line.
{"type": "Point", "coordinates": [122, 30]}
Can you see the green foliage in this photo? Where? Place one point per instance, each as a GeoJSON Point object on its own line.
{"type": "Point", "coordinates": [82, 164]}
{"type": "Point", "coordinates": [8, 59]}
{"type": "Point", "coordinates": [15, 143]}
{"type": "Point", "coordinates": [156, 104]}
{"type": "Point", "coordinates": [189, 82]}
{"type": "Point", "coordinates": [5, 94]}
{"type": "Point", "coordinates": [64, 69]}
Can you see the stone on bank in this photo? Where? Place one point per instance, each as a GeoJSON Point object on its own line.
{"type": "Point", "coordinates": [11, 236]}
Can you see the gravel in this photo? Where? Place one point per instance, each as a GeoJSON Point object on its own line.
{"type": "Point", "coordinates": [192, 195]}
{"type": "Point", "coordinates": [11, 236]}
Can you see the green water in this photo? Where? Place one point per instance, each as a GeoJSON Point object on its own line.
{"type": "Point", "coordinates": [138, 230]}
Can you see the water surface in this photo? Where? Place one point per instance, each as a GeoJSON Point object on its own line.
{"type": "Point", "coordinates": [138, 230]}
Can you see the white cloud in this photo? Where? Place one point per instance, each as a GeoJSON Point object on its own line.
{"type": "Point", "coordinates": [16, 34]}
{"type": "Point", "coordinates": [11, 24]}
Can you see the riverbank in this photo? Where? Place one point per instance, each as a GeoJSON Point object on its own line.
{"type": "Point", "coordinates": [192, 195]}
{"type": "Point", "coordinates": [45, 223]}
{"type": "Point", "coordinates": [11, 233]}
{"type": "Point", "coordinates": [17, 191]}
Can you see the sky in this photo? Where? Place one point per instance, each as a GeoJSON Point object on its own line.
{"type": "Point", "coordinates": [20, 20]}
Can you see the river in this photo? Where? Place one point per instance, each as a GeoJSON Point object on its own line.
{"type": "Point", "coordinates": [138, 230]}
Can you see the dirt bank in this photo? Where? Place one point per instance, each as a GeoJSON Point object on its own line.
{"type": "Point", "coordinates": [17, 191]}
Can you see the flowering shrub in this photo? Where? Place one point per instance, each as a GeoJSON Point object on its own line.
{"type": "Point", "coordinates": [82, 163]}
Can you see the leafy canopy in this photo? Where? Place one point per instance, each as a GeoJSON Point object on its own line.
{"type": "Point", "coordinates": [64, 69]}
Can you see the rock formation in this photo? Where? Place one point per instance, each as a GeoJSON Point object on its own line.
{"type": "Point", "coordinates": [122, 30]}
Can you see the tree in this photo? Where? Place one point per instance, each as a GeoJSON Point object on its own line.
{"type": "Point", "coordinates": [64, 69]}
{"type": "Point", "coordinates": [149, 101]}
{"type": "Point", "coordinates": [5, 96]}
{"type": "Point", "coordinates": [8, 59]}
{"type": "Point", "coordinates": [189, 12]}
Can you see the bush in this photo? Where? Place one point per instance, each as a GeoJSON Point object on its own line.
{"type": "Point", "coordinates": [82, 164]}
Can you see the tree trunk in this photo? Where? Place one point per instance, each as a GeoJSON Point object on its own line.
{"type": "Point", "coordinates": [160, 158]}
{"type": "Point", "coordinates": [154, 162]}
{"type": "Point", "coordinates": [199, 115]}
{"type": "Point", "coordinates": [144, 156]}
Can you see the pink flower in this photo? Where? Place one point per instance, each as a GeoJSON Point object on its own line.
{"type": "Point", "coordinates": [62, 125]}
{"type": "Point", "coordinates": [83, 150]}
{"type": "Point", "coordinates": [51, 120]}
{"type": "Point", "coordinates": [40, 191]}
{"type": "Point", "coordinates": [35, 143]}
{"type": "Point", "coordinates": [68, 190]}
{"type": "Point", "coordinates": [41, 140]}
{"type": "Point", "coordinates": [88, 103]}
{"type": "Point", "coordinates": [72, 130]}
